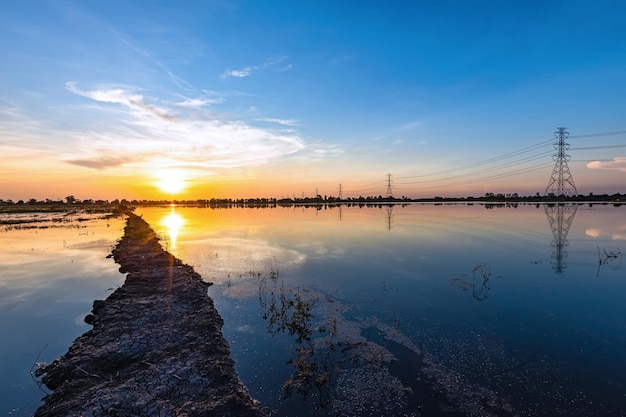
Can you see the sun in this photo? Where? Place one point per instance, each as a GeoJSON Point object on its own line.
{"type": "Point", "coordinates": [171, 181]}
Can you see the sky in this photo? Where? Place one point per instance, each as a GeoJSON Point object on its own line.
{"type": "Point", "coordinates": [150, 99]}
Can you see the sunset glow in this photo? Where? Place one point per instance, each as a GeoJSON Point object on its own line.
{"type": "Point", "coordinates": [171, 181]}
{"type": "Point", "coordinates": [200, 101]}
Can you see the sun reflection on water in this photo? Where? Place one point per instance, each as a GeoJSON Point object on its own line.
{"type": "Point", "coordinates": [172, 223]}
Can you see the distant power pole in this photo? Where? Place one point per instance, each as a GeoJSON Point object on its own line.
{"type": "Point", "coordinates": [340, 194]}
{"type": "Point", "coordinates": [561, 183]}
{"type": "Point", "coordinates": [389, 190]}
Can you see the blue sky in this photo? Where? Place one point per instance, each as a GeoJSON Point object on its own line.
{"type": "Point", "coordinates": [273, 98]}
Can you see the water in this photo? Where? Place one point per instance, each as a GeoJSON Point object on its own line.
{"type": "Point", "coordinates": [432, 309]}
{"type": "Point", "coordinates": [522, 308]}
{"type": "Point", "coordinates": [52, 270]}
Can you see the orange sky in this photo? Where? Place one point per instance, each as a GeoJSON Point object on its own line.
{"type": "Point", "coordinates": [105, 102]}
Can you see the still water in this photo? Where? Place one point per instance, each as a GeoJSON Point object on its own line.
{"type": "Point", "coordinates": [52, 267]}
{"type": "Point", "coordinates": [514, 310]}
{"type": "Point", "coordinates": [387, 310]}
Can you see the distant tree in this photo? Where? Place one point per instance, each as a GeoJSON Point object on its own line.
{"type": "Point", "coordinates": [70, 199]}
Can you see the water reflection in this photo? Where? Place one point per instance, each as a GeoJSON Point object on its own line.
{"type": "Point", "coordinates": [560, 218]}
{"type": "Point", "coordinates": [53, 267]}
{"type": "Point", "coordinates": [358, 299]}
{"type": "Point", "coordinates": [172, 223]}
{"type": "Point", "coordinates": [389, 210]}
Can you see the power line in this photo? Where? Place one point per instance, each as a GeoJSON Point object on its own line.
{"type": "Point", "coordinates": [593, 135]}
{"type": "Point", "coordinates": [487, 161]}
{"type": "Point", "coordinates": [509, 155]}
{"type": "Point", "coordinates": [597, 147]}
{"type": "Point", "coordinates": [497, 167]}
{"type": "Point", "coordinates": [488, 178]}
{"type": "Point", "coordinates": [485, 166]}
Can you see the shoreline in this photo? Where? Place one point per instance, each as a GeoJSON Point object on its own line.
{"type": "Point", "coordinates": [156, 346]}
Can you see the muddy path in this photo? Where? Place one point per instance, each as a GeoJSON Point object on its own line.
{"type": "Point", "coordinates": [156, 347]}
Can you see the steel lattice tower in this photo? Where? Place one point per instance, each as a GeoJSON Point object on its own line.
{"type": "Point", "coordinates": [389, 190]}
{"type": "Point", "coordinates": [561, 183]}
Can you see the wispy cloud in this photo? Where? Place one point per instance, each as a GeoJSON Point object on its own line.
{"type": "Point", "coordinates": [247, 71]}
{"type": "Point", "coordinates": [284, 122]}
{"type": "Point", "coordinates": [198, 102]}
{"type": "Point", "coordinates": [178, 81]}
{"type": "Point", "coordinates": [618, 164]}
{"type": "Point", "coordinates": [240, 73]}
{"type": "Point", "coordinates": [152, 137]}
{"type": "Point", "coordinates": [121, 96]}
{"type": "Point", "coordinates": [413, 124]}
{"type": "Point", "coordinates": [99, 163]}
{"type": "Point", "coordinates": [319, 152]}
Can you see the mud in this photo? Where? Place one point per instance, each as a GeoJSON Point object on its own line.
{"type": "Point", "coordinates": [156, 347]}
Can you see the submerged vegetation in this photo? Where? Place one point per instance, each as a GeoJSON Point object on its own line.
{"type": "Point", "coordinates": [480, 284]}
{"type": "Point", "coordinates": [363, 366]}
{"type": "Point", "coordinates": [288, 310]}
{"type": "Point", "coordinates": [611, 259]}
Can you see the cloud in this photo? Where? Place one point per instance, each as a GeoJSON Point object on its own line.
{"type": "Point", "coordinates": [618, 163]}
{"type": "Point", "coordinates": [152, 110]}
{"type": "Point", "coordinates": [284, 122]}
{"type": "Point", "coordinates": [151, 137]}
{"type": "Point", "coordinates": [113, 95]}
{"type": "Point", "coordinates": [247, 71]}
{"type": "Point", "coordinates": [413, 124]}
{"type": "Point", "coordinates": [198, 102]}
{"type": "Point", "coordinates": [244, 72]}
{"type": "Point", "coordinates": [121, 96]}
{"type": "Point", "coordinates": [99, 163]}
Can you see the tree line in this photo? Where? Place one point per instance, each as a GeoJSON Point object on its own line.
{"type": "Point", "coordinates": [70, 200]}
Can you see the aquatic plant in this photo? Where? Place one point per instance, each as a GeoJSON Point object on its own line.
{"type": "Point", "coordinates": [480, 285]}
{"type": "Point", "coordinates": [612, 259]}
{"type": "Point", "coordinates": [481, 290]}
{"type": "Point", "coordinates": [317, 355]}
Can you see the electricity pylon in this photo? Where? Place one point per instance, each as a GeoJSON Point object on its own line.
{"type": "Point", "coordinates": [389, 190]}
{"type": "Point", "coordinates": [561, 183]}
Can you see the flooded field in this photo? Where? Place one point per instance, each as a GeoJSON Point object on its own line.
{"type": "Point", "coordinates": [438, 310]}
{"type": "Point", "coordinates": [53, 266]}
{"type": "Point", "coordinates": [418, 309]}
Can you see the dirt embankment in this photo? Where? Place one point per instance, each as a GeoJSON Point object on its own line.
{"type": "Point", "coordinates": [156, 347]}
